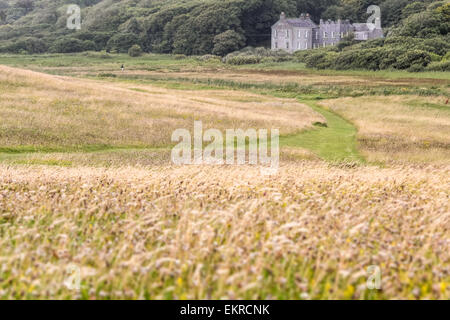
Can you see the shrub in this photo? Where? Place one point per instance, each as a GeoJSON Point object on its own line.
{"type": "Point", "coordinates": [243, 59]}
{"type": "Point", "coordinates": [135, 51]}
{"type": "Point", "coordinates": [439, 66]}
{"type": "Point", "coordinates": [446, 57]}
{"type": "Point", "coordinates": [413, 57]}
{"type": "Point", "coordinates": [97, 55]}
{"type": "Point", "coordinates": [227, 42]}
{"type": "Point", "coordinates": [321, 60]}
{"type": "Point", "coordinates": [435, 57]}
{"type": "Point", "coordinates": [122, 42]}
{"type": "Point", "coordinates": [29, 45]}
{"type": "Point", "coordinates": [67, 45]}
{"type": "Point", "coordinates": [416, 68]}
{"type": "Point", "coordinates": [359, 59]}
{"type": "Point", "coordinates": [250, 55]}
{"type": "Point", "coordinates": [89, 45]}
{"type": "Point", "coordinates": [209, 58]}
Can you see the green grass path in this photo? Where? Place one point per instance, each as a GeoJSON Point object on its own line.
{"type": "Point", "coordinates": [337, 142]}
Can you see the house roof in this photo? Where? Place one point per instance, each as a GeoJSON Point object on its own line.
{"type": "Point", "coordinates": [302, 22]}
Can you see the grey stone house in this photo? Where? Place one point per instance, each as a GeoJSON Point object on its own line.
{"type": "Point", "coordinates": [293, 34]}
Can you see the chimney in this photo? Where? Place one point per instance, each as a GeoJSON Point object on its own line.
{"type": "Point", "coordinates": [283, 16]}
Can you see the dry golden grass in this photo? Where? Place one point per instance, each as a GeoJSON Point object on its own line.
{"type": "Point", "coordinates": [48, 111]}
{"type": "Point", "coordinates": [154, 231]}
{"type": "Point", "coordinates": [247, 76]}
{"type": "Point", "coordinates": [225, 232]}
{"type": "Point", "coordinates": [399, 128]}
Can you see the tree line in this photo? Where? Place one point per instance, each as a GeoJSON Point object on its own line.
{"type": "Point", "coordinates": [200, 27]}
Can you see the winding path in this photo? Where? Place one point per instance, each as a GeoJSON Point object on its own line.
{"type": "Point", "coordinates": [335, 142]}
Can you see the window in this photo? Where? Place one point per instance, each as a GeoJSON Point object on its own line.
{"type": "Point", "coordinates": [287, 33]}
{"type": "Point", "coordinates": [276, 33]}
{"type": "Point", "coordinates": [332, 34]}
{"type": "Point", "coordinates": [306, 45]}
{"type": "Point", "coordinates": [299, 34]}
{"type": "Point", "coordinates": [342, 34]}
{"type": "Point", "coordinates": [287, 45]}
{"type": "Point", "coordinates": [306, 34]}
{"type": "Point", "coordinates": [325, 34]}
{"type": "Point", "coordinates": [298, 45]}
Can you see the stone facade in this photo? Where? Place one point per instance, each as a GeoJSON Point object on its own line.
{"type": "Point", "coordinates": [302, 33]}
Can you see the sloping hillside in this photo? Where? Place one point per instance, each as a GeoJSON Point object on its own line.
{"type": "Point", "coordinates": [179, 26]}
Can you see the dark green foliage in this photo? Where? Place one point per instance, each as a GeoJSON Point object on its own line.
{"type": "Point", "coordinates": [370, 59]}
{"type": "Point", "coordinates": [240, 60]}
{"type": "Point", "coordinates": [122, 42]}
{"type": "Point", "coordinates": [250, 55]}
{"type": "Point", "coordinates": [88, 45]}
{"type": "Point", "coordinates": [67, 45]}
{"type": "Point", "coordinates": [419, 39]}
{"type": "Point", "coordinates": [227, 42]}
{"type": "Point", "coordinates": [135, 51]}
{"type": "Point", "coordinates": [29, 45]}
{"type": "Point", "coordinates": [439, 66]}
{"type": "Point", "coordinates": [172, 26]}
{"type": "Point", "coordinates": [416, 30]}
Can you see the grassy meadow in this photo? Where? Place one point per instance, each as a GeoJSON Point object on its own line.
{"type": "Point", "coordinates": [86, 181]}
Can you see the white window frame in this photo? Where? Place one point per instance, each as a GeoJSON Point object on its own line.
{"type": "Point", "coordinates": [325, 35]}
{"type": "Point", "coordinates": [306, 34]}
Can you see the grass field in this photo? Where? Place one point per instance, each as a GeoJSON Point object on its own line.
{"type": "Point", "coordinates": [86, 181]}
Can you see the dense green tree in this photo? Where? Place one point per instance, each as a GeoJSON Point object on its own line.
{"type": "Point", "coordinates": [202, 27]}
{"type": "Point", "coordinates": [122, 42]}
{"type": "Point", "coordinates": [67, 45]}
{"type": "Point", "coordinates": [135, 51]}
{"type": "Point", "coordinates": [227, 42]}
